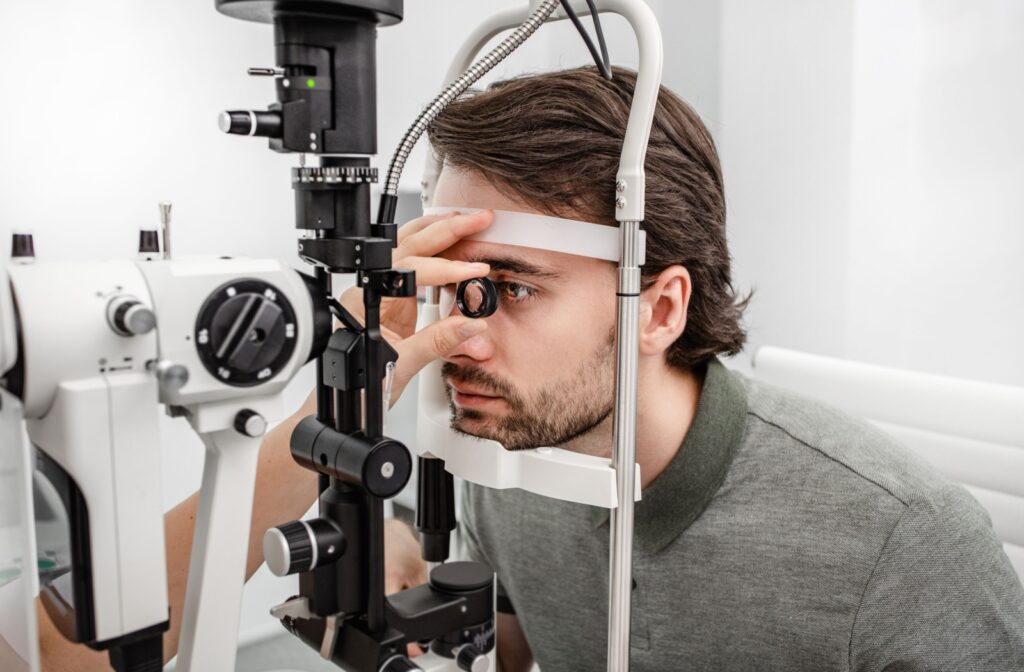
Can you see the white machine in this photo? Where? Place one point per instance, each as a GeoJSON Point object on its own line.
{"type": "Point", "coordinates": [102, 346]}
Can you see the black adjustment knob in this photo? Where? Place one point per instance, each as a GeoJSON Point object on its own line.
{"type": "Point", "coordinates": [435, 509]}
{"type": "Point", "coordinates": [302, 545]}
{"type": "Point", "coordinates": [149, 242]}
{"type": "Point", "coordinates": [23, 248]}
{"type": "Point", "coordinates": [246, 332]}
{"type": "Point", "coordinates": [250, 122]}
{"type": "Point", "coordinates": [471, 659]}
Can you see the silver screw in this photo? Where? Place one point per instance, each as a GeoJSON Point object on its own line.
{"type": "Point", "coordinates": [620, 202]}
{"type": "Point", "coordinates": [312, 145]}
{"type": "Point", "coordinates": [387, 470]}
{"type": "Point", "coordinates": [286, 83]}
{"type": "Point", "coordinates": [312, 136]}
{"type": "Point", "coordinates": [620, 186]}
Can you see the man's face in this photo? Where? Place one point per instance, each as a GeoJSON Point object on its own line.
{"type": "Point", "coordinates": [543, 372]}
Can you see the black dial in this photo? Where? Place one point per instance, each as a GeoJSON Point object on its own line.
{"type": "Point", "coordinates": [246, 332]}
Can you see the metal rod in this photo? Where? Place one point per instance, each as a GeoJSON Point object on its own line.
{"type": "Point", "coordinates": [376, 619]}
{"type": "Point", "coordinates": [324, 396]}
{"type": "Point", "coordinates": [165, 222]}
{"type": "Point", "coordinates": [620, 562]}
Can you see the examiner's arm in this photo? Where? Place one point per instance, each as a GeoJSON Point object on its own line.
{"type": "Point", "coordinates": [514, 653]}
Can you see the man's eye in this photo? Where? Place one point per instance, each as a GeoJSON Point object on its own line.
{"type": "Point", "coordinates": [515, 292]}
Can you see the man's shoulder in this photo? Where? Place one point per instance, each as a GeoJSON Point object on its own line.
{"type": "Point", "coordinates": [808, 433]}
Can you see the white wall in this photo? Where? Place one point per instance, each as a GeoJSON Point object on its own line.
{"type": "Point", "coordinates": [873, 163]}
{"type": "Point", "coordinates": [935, 279]}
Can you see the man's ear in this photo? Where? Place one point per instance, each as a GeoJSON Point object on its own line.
{"type": "Point", "coordinates": [663, 309]}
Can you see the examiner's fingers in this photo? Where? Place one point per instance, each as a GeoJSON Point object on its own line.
{"type": "Point", "coordinates": [437, 340]}
{"type": "Point", "coordinates": [420, 223]}
{"type": "Point", "coordinates": [442, 234]}
{"type": "Point", "coordinates": [435, 271]}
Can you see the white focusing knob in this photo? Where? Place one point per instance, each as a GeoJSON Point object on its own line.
{"type": "Point", "coordinates": [250, 423]}
{"type": "Point", "coordinates": [288, 548]}
{"type": "Point", "coordinates": [128, 316]}
{"type": "Point", "coordinates": [172, 376]}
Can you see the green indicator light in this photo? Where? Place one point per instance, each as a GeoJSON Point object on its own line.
{"type": "Point", "coordinates": [311, 83]}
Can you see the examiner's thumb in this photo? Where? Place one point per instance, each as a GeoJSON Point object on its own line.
{"type": "Point", "coordinates": [439, 339]}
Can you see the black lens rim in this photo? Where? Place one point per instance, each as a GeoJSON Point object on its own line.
{"type": "Point", "coordinates": [490, 295]}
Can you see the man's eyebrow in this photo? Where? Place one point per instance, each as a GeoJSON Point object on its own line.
{"type": "Point", "coordinates": [517, 266]}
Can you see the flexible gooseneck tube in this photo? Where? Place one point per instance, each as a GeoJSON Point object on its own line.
{"type": "Point", "coordinates": [471, 74]}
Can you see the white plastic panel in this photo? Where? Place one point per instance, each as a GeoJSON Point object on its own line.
{"type": "Point", "coordinates": [967, 408]}
{"type": "Point", "coordinates": [947, 453]}
{"type": "Point", "coordinates": [550, 472]}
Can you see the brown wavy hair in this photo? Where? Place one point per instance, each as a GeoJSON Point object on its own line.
{"type": "Point", "coordinates": [553, 141]}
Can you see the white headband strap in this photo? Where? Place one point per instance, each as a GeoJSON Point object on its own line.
{"type": "Point", "coordinates": [543, 232]}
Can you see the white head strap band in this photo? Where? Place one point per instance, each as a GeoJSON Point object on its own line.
{"type": "Point", "coordinates": [554, 234]}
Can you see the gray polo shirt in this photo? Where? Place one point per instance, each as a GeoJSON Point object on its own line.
{"type": "Point", "coordinates": [784, 535]}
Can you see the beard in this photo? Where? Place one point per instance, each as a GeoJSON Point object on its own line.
{"type": "Point", "coordinates": [562, 410]}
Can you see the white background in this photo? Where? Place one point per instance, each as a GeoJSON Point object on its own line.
{"type": "Point", "coordinates": [873, 153]}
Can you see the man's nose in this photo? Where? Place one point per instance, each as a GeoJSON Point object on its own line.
{"type": "Point", "coordinates": [477, 348]}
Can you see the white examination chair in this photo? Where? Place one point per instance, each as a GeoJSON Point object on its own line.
{"type": "Point", "coordinates": [972, 432]}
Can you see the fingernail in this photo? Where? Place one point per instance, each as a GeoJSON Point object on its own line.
{"type": "Point", "coordinates": [472, 328]}
{"type": "Point", "coordinates": [479, 266]}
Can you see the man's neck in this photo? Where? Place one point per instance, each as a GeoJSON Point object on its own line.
{"type": "Point", "coordinates": [667, 401]}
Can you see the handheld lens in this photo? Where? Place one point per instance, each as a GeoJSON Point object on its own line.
{"type": "Point", "coordinates": [477, 297]}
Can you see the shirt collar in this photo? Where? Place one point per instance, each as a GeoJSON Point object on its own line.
{"type": "Point", "coordinates": [679, 495]}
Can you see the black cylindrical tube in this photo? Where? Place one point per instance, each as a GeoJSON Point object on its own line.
{"type": "Point", "coordinates": [387, 208]}
{"type": "Point", "coordinates": [22, 246]}
{"type": "Point", "coordinates": [149, 241]}
{"type": "Point", "coordinates": [251, 122]}
{"type": "Point", "coordinates": [435, 508]}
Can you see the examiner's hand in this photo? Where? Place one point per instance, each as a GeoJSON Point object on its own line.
{"type": "Point", "coordinates": [403, 563]}
{"type": "Point", "coordinates": [418, 243]}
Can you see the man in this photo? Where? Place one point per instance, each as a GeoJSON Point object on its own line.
{"type": "Point", "coordinates": [773, 533]}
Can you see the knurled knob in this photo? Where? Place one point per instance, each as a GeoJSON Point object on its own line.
{"type": "Point", "coordinates": [302, 545]}
{"type": "Point", "coordinates": [471, 659]}
{"type": "Point", "coordinates": [250, 423]}
{"type": "Point", "coordinates": [288, 548]}
{"type": "Point", "coordinates": [130, 317]}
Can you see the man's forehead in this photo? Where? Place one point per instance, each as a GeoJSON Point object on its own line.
{"type": "Point", "coordinates": [516, 258]}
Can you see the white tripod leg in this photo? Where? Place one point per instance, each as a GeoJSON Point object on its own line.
{"type": "Point", "coordinates": [213, 599]}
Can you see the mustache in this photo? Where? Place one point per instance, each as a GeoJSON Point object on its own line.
{"type": "Point", "coordinates": [478, 377]}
